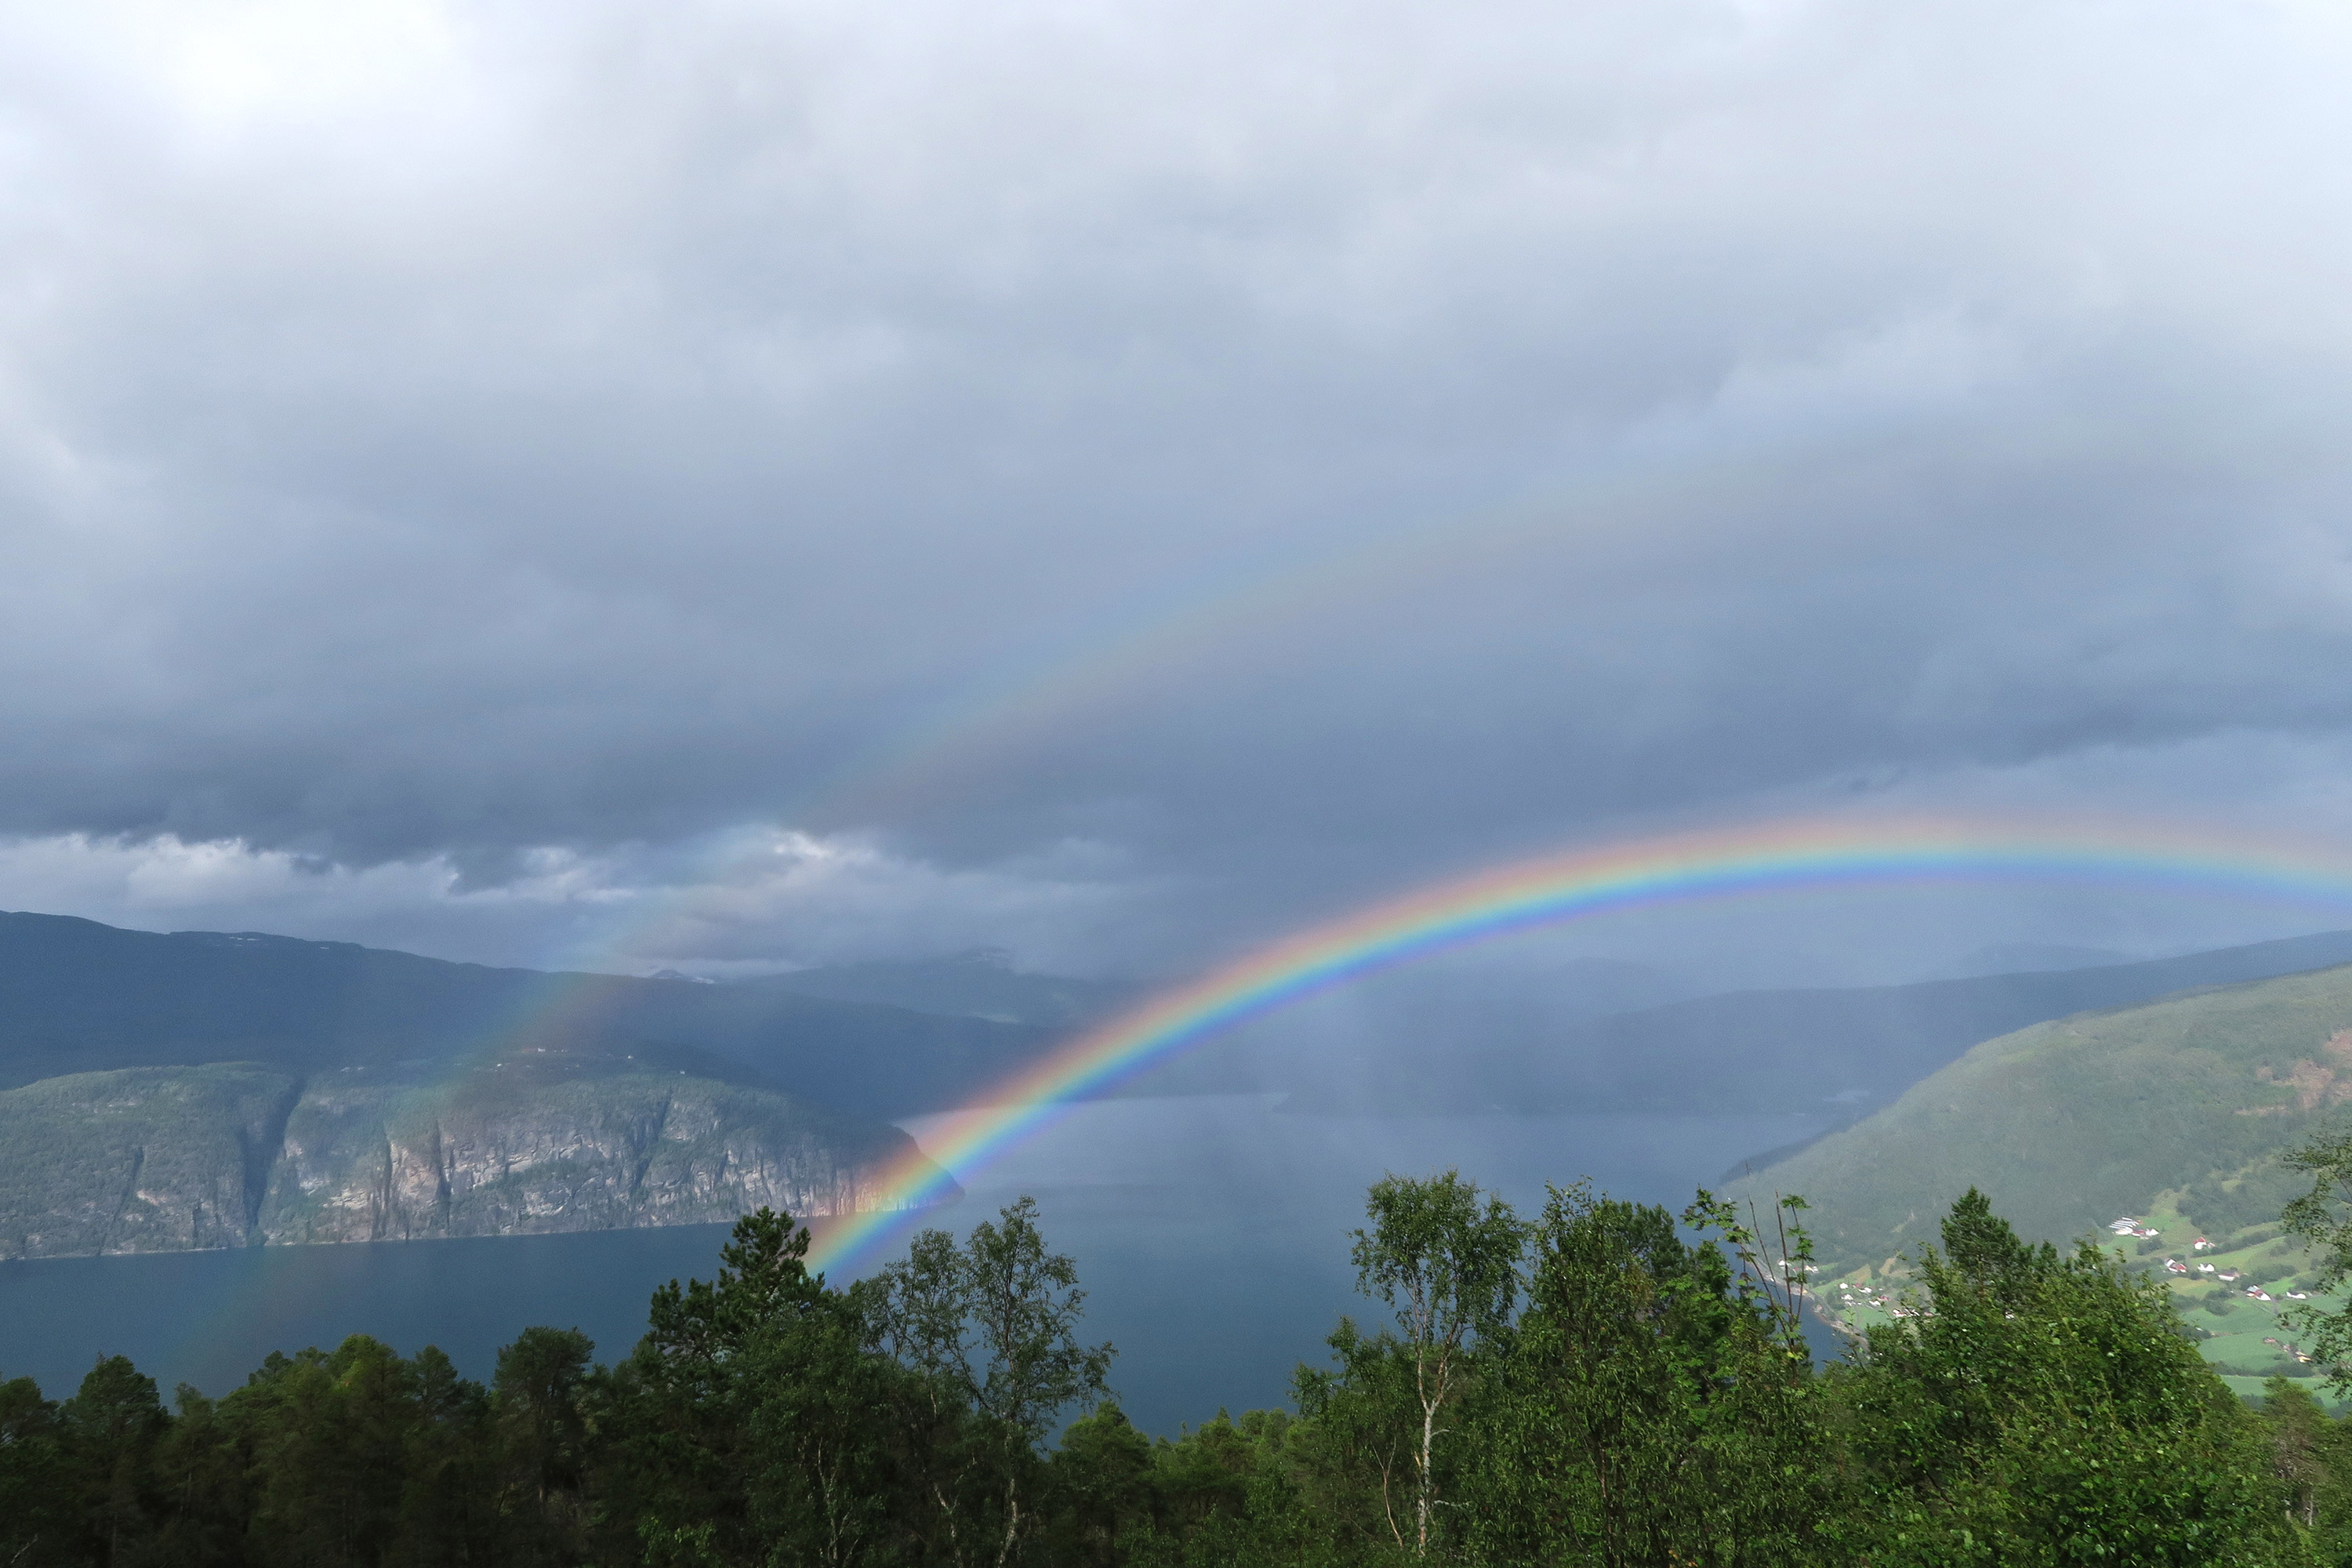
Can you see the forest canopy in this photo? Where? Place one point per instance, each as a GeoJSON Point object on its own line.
{"type": "Point", "coordinates": [1599, 1383]}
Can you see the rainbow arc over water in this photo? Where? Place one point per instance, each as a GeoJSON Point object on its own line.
{"type": "Point", "coordinates": [1581, 884]}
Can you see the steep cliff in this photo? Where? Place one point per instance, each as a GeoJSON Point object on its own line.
{"type": "Point", "coordinates": [141, 1160]}
{"type": "Point", "coordinates": [173, 1159]}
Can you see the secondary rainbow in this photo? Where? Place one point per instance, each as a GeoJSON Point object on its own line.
{"type": "Point", "coordinates": [1584, 884]}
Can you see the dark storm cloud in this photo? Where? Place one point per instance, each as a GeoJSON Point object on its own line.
{"type": "Point", "coordinates": [444, 437]}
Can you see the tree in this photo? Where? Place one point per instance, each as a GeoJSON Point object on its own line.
{"type": "Point", "coordinates": [2303, 1445]}
{"type": "Point", "coordinates": [1656, 1403]}
{"type": "Point", "coordinates": [1446, 1263]}
{"type": "Point", "coordinates": [2323, 1217]}
{"type": "Point", "coordinates": [991, 1327]}
{"type": "Point", "coordinates": [203, 1483]}
{"type": "Point", "coordinates": [762, 1278]}
{"type": "Point", "coordinates": [328, 1435]}
{"type": "Point", "coordinates": [2034, 1407]}
{"type": "Point", "coordinates": [537, 1394]}
{"type": "Point", "coordinates": [758, 1420]}
{"type": "Point", "coordinates": [450, 1504]}
{"type": "Point", "coordinates": [1101, 1491]}
{"type": "Point", "coordinates": [827, 1469]}
{"type": "Point", "coordinates": [109, 1430]}
{"type": "Point", "coordinates": [1361, 1418]}
{"type": "Point", "coordinates": [677, 1411]}
{"type": "Point", "coordinates": [1223, 1493]}
{"type": "Point", "coordinates": [35, 1517]}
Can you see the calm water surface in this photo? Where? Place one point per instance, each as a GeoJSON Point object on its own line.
{"type": "Point", "coordinates": [1210, 1234]}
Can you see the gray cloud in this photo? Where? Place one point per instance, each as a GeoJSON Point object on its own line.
{"type": "Point", "coordinates": [1282, 455]}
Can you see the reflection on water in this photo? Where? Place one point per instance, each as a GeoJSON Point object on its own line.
{"type": "Point", "coordinates": [1211, 1233]}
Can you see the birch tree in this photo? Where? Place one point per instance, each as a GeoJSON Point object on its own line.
{"type": "Point", "coordinates": [1444, 1257]}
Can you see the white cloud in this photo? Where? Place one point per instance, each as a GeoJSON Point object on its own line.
{"type": "Point", "coordinates": [750, 901]}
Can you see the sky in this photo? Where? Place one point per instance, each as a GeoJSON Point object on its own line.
{"type": "Point", "coordinates": [732, 486]}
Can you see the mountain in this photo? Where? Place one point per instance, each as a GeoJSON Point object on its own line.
{"type": "Point", "coordinates": [2177, 1105]}
{"type": "Point", "coordinates": [206, 1089]}
{"type": "Point", "coordinates": [236, 1155]}
{"type": "Point", "coordinates": [1787, 1051]}
{"type": "Point", "coordinates": [78, 996]}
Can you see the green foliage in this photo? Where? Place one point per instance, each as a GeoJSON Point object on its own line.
{"type": "Point", "coordinates": [997, 1321]}
{"type": "Point", "coordinates": [2040, 1409]}
{"type": "Point", "coordinates": [2067, 1124]}
{"type": "Point", "coordinates": [36, 1523]}
{"type": "Point", "coordinates": [1100, 1478]}
{"type": "Point", "coordinates": [2322, 1217]}
{"type": "Point", "coordinates": [990, 1332]}
{"type": "Point", "coordinates": [2223, 1204]}
{"type": "Point", "coordinates": [1608, 1387]}
{"type": "Point", "coordinates": [1363, 1463]}
{"type": "Point", "coordinates": [1447, 1266]}
{"type": "Point", "coordinates": [755, 1418]}
{"type": "Point", "coordinates": [109, 1431]}
{"type": "Point", "coordinates": [542, 1428]}
{"type": "Point", "coordinates": [1657, 1404]}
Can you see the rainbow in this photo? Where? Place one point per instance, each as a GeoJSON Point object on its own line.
{"type": "Point", "coordinates": [1582, 884]}
{"type": "Point", "coordinates": [1122, 644]}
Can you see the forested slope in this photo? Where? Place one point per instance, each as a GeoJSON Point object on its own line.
{"type": "Point", "coordinates": [2070, 1123]}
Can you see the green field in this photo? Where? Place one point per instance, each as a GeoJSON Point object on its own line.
{"type": "Point", "coordinates": [2241, 1335]}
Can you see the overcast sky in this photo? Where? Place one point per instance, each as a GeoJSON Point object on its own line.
{"type": "Point", "coordinates": [742, 485]}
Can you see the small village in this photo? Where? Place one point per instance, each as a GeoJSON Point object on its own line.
{"type": "Point", "coordinates": [2235, 1293]}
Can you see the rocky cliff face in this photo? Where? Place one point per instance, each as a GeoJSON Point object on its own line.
{"type": "Point", "coordinates": [176, 1159]}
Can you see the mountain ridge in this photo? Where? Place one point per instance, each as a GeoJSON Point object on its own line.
{"type": "Point", "coordinates": [1806, 1049]}
{"type": "Point", "coordinates": [202, 1089]}
{"type": "Point", "coordinates": [78, 995]}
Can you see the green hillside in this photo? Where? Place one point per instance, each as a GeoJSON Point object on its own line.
{"type": "Point", "coordinates": [2068, 1124]}
{"type": "Point", "coordinates": [2171, 1113]}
